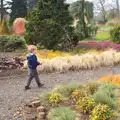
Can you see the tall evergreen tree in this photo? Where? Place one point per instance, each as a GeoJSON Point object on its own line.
{"type": "Point", "coordinates": [31, 3]}
{"type": "Point", "coordinates": [83, 11]}
{"type": "Point", "coordinates": [49, 24]}
{"type": "Point", "coordinates": [18, 9]}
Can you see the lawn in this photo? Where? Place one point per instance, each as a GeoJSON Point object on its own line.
{"type": "Point", "coordinates": [103, 36]}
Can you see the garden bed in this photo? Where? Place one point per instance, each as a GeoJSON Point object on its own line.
{"type": "Point", "coordinates": [94, 101]}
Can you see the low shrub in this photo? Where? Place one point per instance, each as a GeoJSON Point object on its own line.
{"type": "Point", "coordinates": [78, 94]}
{"type": "Point", "coordinates": [102, 112]}
{"type": "Point", "coordinates": [66, 90]}
{"type": "Point", "coordinates": [115, 34]}
{"type": "Point", "coordinates": [11, 43]}
{"type": "Point", "coordinates": [92, 88]}
{"type": "Point", "coordinates": [61, 113]}
{"type": "Point", "coordinates": [44, 98]}
{"type": "Point", "coordinates": [85, 104]}
{"type": "Point", "coordinates": [106, 95]}
{"type": "Point", "coordinates": [55, 98]}
{"type": "Point", "coordinates": [112, 79]}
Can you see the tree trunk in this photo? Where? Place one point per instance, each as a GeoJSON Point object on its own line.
{"type": "Point", "coordinates": [83, 20]}
{"type": "Point", "coordinates": [2, 12]}
{"type": "Point", "coordinates": [118, 8]}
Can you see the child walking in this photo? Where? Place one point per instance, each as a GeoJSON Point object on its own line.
{"type": "Point", "coordinates": [32, 67]}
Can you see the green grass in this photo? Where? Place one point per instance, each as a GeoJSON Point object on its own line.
{"type": "Point", "coordinates": [105, 36]}
{"type": "Point", "coordinates": [105, 28]}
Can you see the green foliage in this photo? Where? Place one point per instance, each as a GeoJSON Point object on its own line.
{"type": "Point", "coordinates": [44, 98]}
{"type": "Point", "coordinates": [66, 90]}
{"type": "Point", "coordinates": [103, 36]}
{"type": "Point", "coordinates": [49, 24]}
{"type": "Point", "coordinates": [31, 3]}
{"type": "Point", "coordinates": [79, 94]}
{"type": "Point", "coordinates": [4, 27]}
{"type": "Point", "coordinates": [83, 12]}
{"type": "Point", "coordinates": [115, 34]}
{"type": "Point", "coordinates": [92, 88]}
{"type": "Point", "coordinates": [85, 104]}
{"type": "Point", "coordinates": [18, 8]}
{"type": "Point", "coordinates": [10, 43]}
{"type": "Point", "coordinates": [102, 112]}
{"type": "Point", "coordinates": [61, 113]}
{"type": "Point", "coordinates": [106, 95]}
{"type": "Point", "coordinates": [55, 98]}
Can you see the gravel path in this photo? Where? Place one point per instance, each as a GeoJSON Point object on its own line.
{"type": "Point", "coordinates": [12, 93]}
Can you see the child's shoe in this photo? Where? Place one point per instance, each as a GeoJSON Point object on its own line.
{"type": "Point", "coordinates": [40, 85]}
{"type": "Point", "coordinates": [27, 88]}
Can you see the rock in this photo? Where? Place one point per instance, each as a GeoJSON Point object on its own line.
{"type": "Point", "coordinates": [28, 109]}
{"type": "Point", "coordinates": [41, 116]}
{"type": "Point", "coordinates": [40, 109]}
{"type": "Point", "coordinates": [29, 116]}
{"type": "Point", "coordinates": [77, 119]}
{"type": "Point", "coordinates": [36, 103]}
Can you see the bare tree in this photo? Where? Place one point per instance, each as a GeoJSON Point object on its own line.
{"type": "Point", "coordinates": [2, 10]}
{"type": "Point", "coordinates": [101, 8]}
{"type": "Point", "coordinates": [116, 6]}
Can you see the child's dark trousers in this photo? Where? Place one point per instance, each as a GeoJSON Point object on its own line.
{"type": "Point", "coordinates": [33, 74]}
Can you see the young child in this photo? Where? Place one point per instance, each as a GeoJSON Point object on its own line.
{"type": "Point", "coordinates": [32, 67]}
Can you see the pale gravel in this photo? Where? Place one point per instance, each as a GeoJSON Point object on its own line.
{"type": "Point", "coordinates": [13, 95]}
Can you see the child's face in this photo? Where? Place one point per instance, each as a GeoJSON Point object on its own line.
{"type": "Point", "coordinates": [34, 51]}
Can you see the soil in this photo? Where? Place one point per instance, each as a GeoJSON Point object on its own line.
{"type": "Point", "coordinates": [13, 95]}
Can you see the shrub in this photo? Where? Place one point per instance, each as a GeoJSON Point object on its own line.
{"type": "Point", "coordinates": [66, 90]}
{"type": "Point", "coordinates": [92, 88]}
{"type": "Point", "coordinates": [10, 43]}
{"type": "Point", "coordinates": [78, 94]}
{"type": "Point", "coordinates": [44, 98]}
{"type": "Point", "coordinates": [102, 112]}
{"type": "Point", "coordinates": [106, 95]}
{"type": "Point", "coordinates": [112, 79]}
{"type": "Point", "coordinates": [115, 34]}
{"type": "Point", "coordinates": [4, 27]}
{"type": "Point", "coordinates": [85, 104]}
{"type": "Point", "coordinates": [61, 113]}
{"type": "Point", "coordinates": [55, 98]}
{"type": "Point", "coordinates": [19, 26]}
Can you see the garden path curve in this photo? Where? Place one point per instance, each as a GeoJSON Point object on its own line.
{"type": "Point", "coordinates": [13, 95]}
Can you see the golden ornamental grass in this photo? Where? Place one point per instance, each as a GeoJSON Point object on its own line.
{"type": "Point", "coordinates": [66, 62]}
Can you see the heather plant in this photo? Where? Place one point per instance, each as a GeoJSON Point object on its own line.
{"type": "Point", "coordinates": [102, 112]}
{"type": "Point", "coordinates": [61, 113]}
{"type": "Point", "coordinates": [106, 95]}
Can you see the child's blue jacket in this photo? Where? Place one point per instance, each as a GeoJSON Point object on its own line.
{"type": "Point", "coordinates": [32, 61]}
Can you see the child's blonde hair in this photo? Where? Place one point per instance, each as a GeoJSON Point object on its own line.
{"type": "Point", "coordinates": [32, 48]}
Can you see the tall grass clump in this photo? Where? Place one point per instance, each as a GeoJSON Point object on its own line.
{"type": "Point", "coordinates": [77, 62]}
{"type": "Point", "coordinates": [106, 95]}
{"type": "Point", "coordinates": [61, 113]}
{"type": "Point", "coordinates": [66, 90]}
